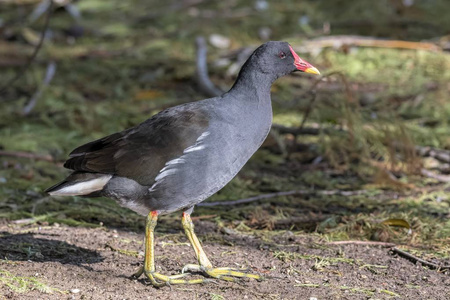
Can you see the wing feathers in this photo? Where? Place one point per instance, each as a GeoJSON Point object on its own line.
{"type": "Point", "coordinates": [140, 152]}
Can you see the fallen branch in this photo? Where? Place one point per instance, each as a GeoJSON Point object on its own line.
{"type": "Point", "coordinates": [363, 243]}
{"type": "Point", "coordinates": [301, 220]}
{"type": "Point", "coordinates": [24, 221]}
{"type": "Point", "coordinates": [35, 53]}
{"type": "Point", "coordinates": [345, 41]}
{"type": "Point", "coordinates": [49, 74]}
{"type": "Point", "coordinates": [439, 154]}
{"type": "Point", "coordinates": [30, 155]}
{"type": "Point", "coordinates": [203, 217]}
{"type": "Point", "coordinates": [279, 194]}
{"type": "Point", "coordinates": [305, 130]}
{"type": "Point", "coordinates": [438, 177]}
{"type": "Point", "coordinates": [166, 9]}
{"type": "Point", "coordinates": [19, 2]}
{"type": "Point", "coordinates": [202, 78]}
{"type": "Point", "coordinates": [417, 259]}
{"type": "Point", "coordinates": [122, 251]}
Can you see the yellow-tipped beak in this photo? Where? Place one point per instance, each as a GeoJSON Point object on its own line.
{"type": "Point", "coordinates": [312, 70]}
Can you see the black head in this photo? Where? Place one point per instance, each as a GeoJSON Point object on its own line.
{"type": "Point", "coordinates": [279, 59]}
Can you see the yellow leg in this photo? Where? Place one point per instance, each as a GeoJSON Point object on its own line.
{"type": "Point", "coordinates": [148, 269]}
{"type": "Point", "coordinates": [204, 265]}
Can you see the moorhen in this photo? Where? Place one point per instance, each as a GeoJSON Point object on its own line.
{"type": "Point", "coordinates": [184, 154]}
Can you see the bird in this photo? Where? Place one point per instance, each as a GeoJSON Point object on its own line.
{"type": "Point", "coordinates": [182, 155]}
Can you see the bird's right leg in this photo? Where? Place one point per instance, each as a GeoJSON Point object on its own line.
{"type": "Point", "coordinates": [148, 269]}
{"type": "Point", "coordinates": [204, 265]}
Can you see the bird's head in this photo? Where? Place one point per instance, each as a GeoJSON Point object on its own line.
{"type": "Point", "coordinates": [279, 58]}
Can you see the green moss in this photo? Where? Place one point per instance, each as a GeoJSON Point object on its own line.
{"type": "Point", "coordinates": [23, 284]}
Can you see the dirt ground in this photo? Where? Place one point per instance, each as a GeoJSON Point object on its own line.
{"type": "Point", "coordinates": [83, 263]}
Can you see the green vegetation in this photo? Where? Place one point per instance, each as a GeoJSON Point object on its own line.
{"type": "Point", "coordinates": [22, 284]}
{"type": "Point", "coordinates": [137, 57]}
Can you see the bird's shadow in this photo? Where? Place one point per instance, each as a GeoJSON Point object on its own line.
{"type": "Point", "coordinates": [25, 246]}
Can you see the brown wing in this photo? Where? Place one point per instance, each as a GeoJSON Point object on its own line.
{"type": "Point", "coordinates": [139, 153]}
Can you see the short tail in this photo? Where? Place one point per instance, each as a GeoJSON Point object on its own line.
{"type": "Point", "coordinates": [80, 183]}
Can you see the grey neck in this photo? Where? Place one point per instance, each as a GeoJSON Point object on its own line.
{"type": "Point", "coordinates": [254, 85]}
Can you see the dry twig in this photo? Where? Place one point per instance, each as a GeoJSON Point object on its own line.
{"type": "Point", "coordinates": [30, 155]}
{"type": "Point", "coordinates": [203, 217]}
{"type": "Point", "coordinates": [279, 194]}
{"type": "Point", "coordinates": [35, 53]}
{"type": "Point", "coordinates": [204, 82]}
{"type": "Point", "coordinates": [305, 130]}
{"type": "Point", "coordinates": [345, 41]}
{"type": "Point", "coordinates": [313, 92]}
{"type": "Point", "coordinates": [417, 259]}
{"type": "Point", "coordinates": [438, 177]}
{"type": "Point", "coordinates": [363, 243]}
{"type": "Point", "coordinates": [439, 154]}
{"type": "Point", "coordinates": [51, 69]}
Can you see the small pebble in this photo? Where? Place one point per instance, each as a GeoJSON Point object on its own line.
{"type": "Point", "coordinates": [219, 41]}
{"type": "Point", "coordinates": [75, 291]}
{"type": "Point", "coordinates": [261, 5]}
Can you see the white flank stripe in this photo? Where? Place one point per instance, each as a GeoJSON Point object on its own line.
{"type": "Point", "coordinates": [83, 188]}
{"type": "Point", "coordinates": [202, 137]}
{"type": "Point", "coordinates": [193, 148]}
{"type": "Point", "coordinates": [175, 161]}
{"type": "Point", "coordinates": [165, 173]}
{"type": "Point", "coordinates": [168, 167]}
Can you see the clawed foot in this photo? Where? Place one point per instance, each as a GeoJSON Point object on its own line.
{"type": "Point", "coordinates": [228, 274]}
{"type": "Point", "coordinates": [159, 280]}
{"type": "Point", "coordinates": [204, 266]}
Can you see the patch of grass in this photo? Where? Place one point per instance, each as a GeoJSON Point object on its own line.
{"type": "Point", "coordinates": [390, 293]}
{"type": "Point", "coordinates": [373, 268]}
{"type": "Point", "coordinates": [22, 284]}
{"type": "Point", "coordinates": [123, 251]}
{"type": "Point", "coordinates": [320, 260]}
{"type": "Point", "coordinates": [307, 285]}
{"type": "Point", "coordinates": [216, 297]}
{"type": "Point", "coordinates": [410, 67]}
{"type": "Point", "coordinates": [368, 292]}
{"type": "Point", "coordinates": [352, 290]}
{"type": "Point", "coordinates": [172, 244]}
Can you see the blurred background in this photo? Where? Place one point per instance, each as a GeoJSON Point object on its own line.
{"type": "Point", "coordinates": [364, 150]}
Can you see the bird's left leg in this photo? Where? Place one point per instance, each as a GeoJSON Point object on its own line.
{"type": "Point", "coordinates": [204, 265]}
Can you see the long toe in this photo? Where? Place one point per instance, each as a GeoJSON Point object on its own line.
{"type": "Point", "coordinates": [228, 274]}
{"type": "Point", "coordinates": [159, 280]}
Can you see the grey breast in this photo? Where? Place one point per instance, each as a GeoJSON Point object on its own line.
{"type": "Point", "coordinates": [234, 133]}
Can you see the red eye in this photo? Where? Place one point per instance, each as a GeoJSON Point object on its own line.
{"type": "Point", "coordinates": [282, 55]}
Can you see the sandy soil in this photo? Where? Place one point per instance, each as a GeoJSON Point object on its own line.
{"type": "Point", "coordinates": [86, 264]}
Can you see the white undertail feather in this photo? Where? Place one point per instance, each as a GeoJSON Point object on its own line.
{"type": "Point", "coordinates": [83, 187]}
